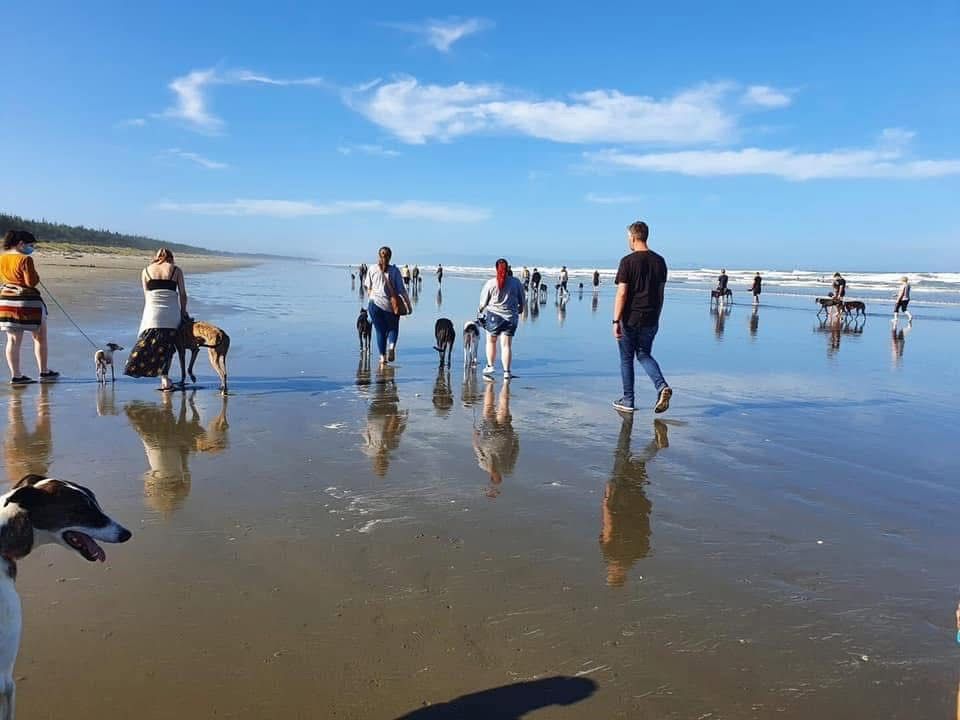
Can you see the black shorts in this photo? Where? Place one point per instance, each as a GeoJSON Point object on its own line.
{"type": "Point", "coordinates": [496, 325]}
{"type": "Point", "coordinates": [901, 305]}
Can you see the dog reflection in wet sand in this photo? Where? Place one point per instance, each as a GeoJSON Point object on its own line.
{"type": "Point", "coordinates": [169, 439]}
{"type": "Point", "coordinates": [495, 442]}
{"type": "Point", "coordinates": [625, 520]}
{"type": "Point", "coordinates": [40, 511]}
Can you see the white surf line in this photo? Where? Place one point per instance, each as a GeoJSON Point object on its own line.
{"type": "Point", "coordinates": [370, 524]}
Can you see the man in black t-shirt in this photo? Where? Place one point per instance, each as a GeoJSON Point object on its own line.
{"type": "Point", "coordinates": [640, 281]}
{"type": "Point", "coordinates": [839, 286]}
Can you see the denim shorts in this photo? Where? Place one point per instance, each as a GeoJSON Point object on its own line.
{"type": "Point", "coordinates": [496, 325]}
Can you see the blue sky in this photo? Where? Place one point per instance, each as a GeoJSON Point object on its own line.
{"type": "Point", "coordinates": [747, 134]}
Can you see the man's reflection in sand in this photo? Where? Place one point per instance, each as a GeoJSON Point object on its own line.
{"type": "Point", "coordinates": [442, 392]}
{"type": "Point", "coordinates": [595, 303]}
{"type": "Point", "coordinates": [385, 420]}
{"type": "Point", "coordinates": [562, 311]}
{"type": "Point", "coordinates": [26, 451]}
{"type": "Point", "coordinates": [439, 298]}
{"type": "Point", "coordinates": [169, 438]}
{"type": "Point", "coordinates": [625, 519]}
{"type": "Point", "coordinates": [754, 322]}
{"type": "Point", "coordinates": [835, 329]}
{"type": "Point", "coordinates": [495, 442]}
{"type": "Point", "coordinates": [720, 313]}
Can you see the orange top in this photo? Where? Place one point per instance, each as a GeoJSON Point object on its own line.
{"type": "Point", "coordinates": [18, 269]}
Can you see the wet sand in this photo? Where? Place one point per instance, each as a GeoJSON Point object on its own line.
{"type": "Point", "coordinates": [336, 541]}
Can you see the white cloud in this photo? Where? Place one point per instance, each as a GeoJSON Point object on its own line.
{"type": "Point", "coordinates": [886, 160]}
{"type": "Point", "coordinates": [190, 94]}
{"type": "Point", "coordinates": [437, 212]}
{"type": "Point", "coordinates": [363, 149]}
{"type": "Point", "coordinates": [765, 96]}
{"type": "Point", "coordinates": [195, 158]}
{"type": "Point", "coordinates": [417, 113]}
{"type": "Point", "coordinates": [442, 34]}
{"type": "Point", "coordinates": [613, 199]}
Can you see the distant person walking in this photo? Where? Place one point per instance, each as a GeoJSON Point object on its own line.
{"type": "Point", "coordinates": [596, 280]}
{"type": "Point", "coordinates": [501, 301]}
{"type": "Point", "coordinates": [383, 283]}
{"type": "Point", "coordinates": [406, 274]}
{"type": "Point", "coordinates": [439, 274]}
{"type": "Point", "coordinates": [21, 307]}
{"type": "Point", "coordinates": [525, 277]}
{"type": "Point", "coordinates": [164, 306]}
{"type": "Point", "coordinates": [416, 276]}
{"type": "Point", "coordinates": [564, 277]}
{"type": "Point", "coordinates": [362, 272]}
{"type": "Point", "coordinates": [903, 301]}
{"type": "Point", "coordinates": [722, 282]}
{"type": "Point", "coordinates": [839, 286]}
{"type": "Point", "coordinates": [640, 280]}
{"type": "Point", "coordinates": [536, 279]}
{"type": "Point", "coordinates": [757, 288]}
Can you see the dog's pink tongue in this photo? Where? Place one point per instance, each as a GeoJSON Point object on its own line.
{"type": "Point", "coordinates": [94, 550]}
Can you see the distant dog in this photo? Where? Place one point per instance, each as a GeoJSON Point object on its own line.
{"type": "Point", "coordinates": [364, 328]}
{"type": "Point", "coordinates": [471, 342]}
{"type": "Point", "coordinates": [38, 511]}
{"type": "Point", "coordinates": [446, 337]}
{"type": "Point", "coordinates": [825, 304]}
{"type": "Point", "coordinates": [103, 359]}
{"type": "Point", "coordinates": [195, 334]}
{"type": "Point", "coordinates": [854, 307]}
{"type": "Point", "coordinates": [721, 296]}
{"type": "Point", "coordinates": [543, 292]}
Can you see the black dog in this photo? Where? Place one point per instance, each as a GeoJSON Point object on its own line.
{"type": "Point", "coordinates": [364, 327]}
{"type": "Point", "coordinates": [446, 335]}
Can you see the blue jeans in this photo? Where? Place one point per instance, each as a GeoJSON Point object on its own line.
{"type": "Point", "coordinates": [386, 324]}
{"type": "Point", "coordinates": [638, 341]}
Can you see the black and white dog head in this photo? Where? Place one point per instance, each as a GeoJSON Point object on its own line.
{"type": "Point", "coordinates": [43, 510]}
{"type": "Point", "coordinates": [113, 347]}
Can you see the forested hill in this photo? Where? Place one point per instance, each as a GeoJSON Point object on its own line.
{"type": "Point", "coordinates": [78, 236]}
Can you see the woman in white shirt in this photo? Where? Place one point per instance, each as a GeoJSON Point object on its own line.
{"type": "Point", "coordinates": [383, 282]}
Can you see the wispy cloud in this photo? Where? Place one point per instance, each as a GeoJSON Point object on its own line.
{"type": "Point", "coordinates": [764, 96]}
{"type": "Point", "coordinates": [191, 105]}
{"type": "Point", "coordinates": [194, 158]}
{"type": "Point", "coordinates": [888, 159]}
{"type": "Point", "coordinates": [132, 122]}
{"type": "Point", "coordinates": [363, 149]}
{"type": "Point", "coordinates": [443, 34]}
{"type": "Point", "coordinates": [418, 113]}
{"type": "Point", "coordinates": [613, 199]}
{"type": "Point", "coordinates": [414, 210]}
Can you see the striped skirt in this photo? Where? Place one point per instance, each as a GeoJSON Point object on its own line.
{"type": "Point", "coordinates": [21, 308]}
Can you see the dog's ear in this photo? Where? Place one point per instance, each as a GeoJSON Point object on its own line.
{"type": "Point", "coordinates": [24, 495]}
{"type": "Point", "coordinates": [31, 479]}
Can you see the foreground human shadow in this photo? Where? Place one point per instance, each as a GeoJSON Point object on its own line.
{"type": "Point", "coordinates": [509, 702]}
{"type": "Point", "coordinates": [625, 516]}
{"type": "Point", "coordinates": [169, 439]}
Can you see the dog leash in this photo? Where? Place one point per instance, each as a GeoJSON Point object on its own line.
{"type": "Point", "coordinates": [67, 315]}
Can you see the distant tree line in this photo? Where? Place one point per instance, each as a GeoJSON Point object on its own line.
{"type": "Point", "coordinates": [80, 235]}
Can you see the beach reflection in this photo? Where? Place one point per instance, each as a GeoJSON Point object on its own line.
{"type": "Point", "coordinates": [442, 392]}
{"type": "Point", "coordinates": [495, 442]}
{"type": "Point", "coordinates": [385, 420]}
{"type": "Point", "coordinates": [28, 451]}
{"type": "Point", "coordinates": [754, 322]}
{"type": "Point", "coordinates": [561, 311]}
{"type": "Point", "coordinates": [625, 516]}
{"type": "Point", "coordinates": [169, 439]}
{"type": "Point", "coordinates": [470, 391]}
{"type": "Point", "coordinates": [719, 313]}
{"type": "Point", "coordinates": [898, 341]}
{"type": "Point", "coordinates": [439, 298]}
{"type": "Point", "coordinates": [363, 372]}
{"type": "Point", "coordinates": [595, 303]}
{"type": "Point", "coordinates": [107, 400]}
{"type": "Point", "coordinates": [835, 329]}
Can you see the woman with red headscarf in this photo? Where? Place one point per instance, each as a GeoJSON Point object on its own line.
{"type": "Point", "coordinates": [501, 299]}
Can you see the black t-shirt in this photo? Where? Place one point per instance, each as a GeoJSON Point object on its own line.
{"type": "Point", "coordinates": [645, 274]}
{"type": "Point", "coordinates": [839, 287]}
{"type": "Point", "coordinates": [596, 278]}
{"type": "Point", "coordinates": [757, 284]}
{"type": "Point", "coordinates": [722, 281]}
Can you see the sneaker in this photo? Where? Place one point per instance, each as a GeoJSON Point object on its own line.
{"type": "Point", "coordinates": [663, 403]}
{"type": "Point", "coordinates": [623, 406]}
{"type": "Point", "coordinates": [22, 380]}
{"type": "Point", "coordinates": [391, 353]}
{"type": "Point", "coordinates": [488, 371]}
{"type": "Point", "coordinates": [507, 375]}
{"type": "Point", "coordinates": [49, 375]}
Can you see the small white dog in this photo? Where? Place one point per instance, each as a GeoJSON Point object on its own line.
{"type": "Point", "coordinates": [471, 342]}
{"type": "Point", "coordinates": [104, 358]}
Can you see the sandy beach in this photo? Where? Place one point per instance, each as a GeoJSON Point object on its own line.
{"type": "Point", "coordinates": [337, 541]}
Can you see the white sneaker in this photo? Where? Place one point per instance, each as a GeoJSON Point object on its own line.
{"type": "Point", "coordinates": [507, 375]}
{"type": "Point", "coordinates": [488, 370]}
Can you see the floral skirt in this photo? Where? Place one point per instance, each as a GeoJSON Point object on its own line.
{"type": "Point", "coordinates": [152, 354]}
